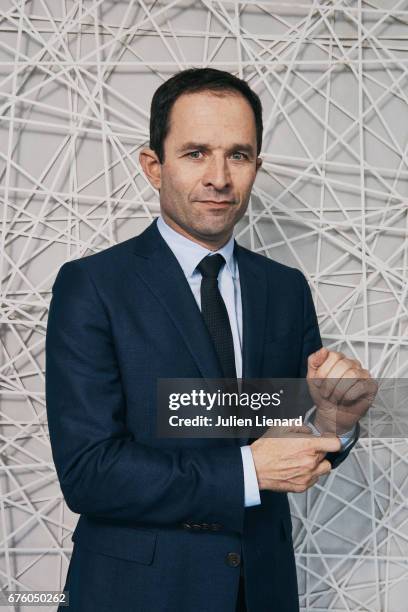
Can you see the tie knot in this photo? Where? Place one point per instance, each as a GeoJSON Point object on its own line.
{"type": "Point", "coordinates": [210, 265]}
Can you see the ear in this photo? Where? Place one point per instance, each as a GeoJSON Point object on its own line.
{"type": "Point", "coordinates": [259, 161]}
{"type": "Point", "coordinates": [151, 166]}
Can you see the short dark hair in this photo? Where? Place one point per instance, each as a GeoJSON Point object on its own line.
{"type": "Point", "coordinates": [194, 80]}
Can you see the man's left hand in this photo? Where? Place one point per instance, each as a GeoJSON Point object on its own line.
{"type": "Point", "coordinates": [341, 389]}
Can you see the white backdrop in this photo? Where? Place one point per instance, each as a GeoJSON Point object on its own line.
{"type": "Point", "coordinates": [76, 80]}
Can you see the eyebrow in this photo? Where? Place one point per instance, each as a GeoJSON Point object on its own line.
{"type": "Point", "coordinates": [202, 145]}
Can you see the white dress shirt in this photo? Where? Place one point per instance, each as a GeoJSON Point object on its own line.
{"type": "Point", "coordinates": [189, 254]}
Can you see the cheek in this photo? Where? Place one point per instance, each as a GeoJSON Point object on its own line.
{"type": "Point", "coordinates": [243, 180]}
{"type": "Point", "coordinates": [242, 186]}
{"type": "Point", "coordinates": [176, 180]}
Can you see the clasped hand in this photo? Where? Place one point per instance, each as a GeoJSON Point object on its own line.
{"type": "Point", "coordinates": [294, 460]}
{"type": "Point", "coordinates": [341, 389]}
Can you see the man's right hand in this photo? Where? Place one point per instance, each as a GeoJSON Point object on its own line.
{"type": "Point", "coordinates": [292, 462]}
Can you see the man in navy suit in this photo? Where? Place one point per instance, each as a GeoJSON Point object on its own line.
{"type": "Point", "coordinates": [184, 525]}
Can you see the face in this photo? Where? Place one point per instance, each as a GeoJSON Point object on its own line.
{"type": "Point", "coordinates": [209, 168]}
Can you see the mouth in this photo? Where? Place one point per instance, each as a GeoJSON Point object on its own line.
{"type": "Point", "coordinates": [216, 203]}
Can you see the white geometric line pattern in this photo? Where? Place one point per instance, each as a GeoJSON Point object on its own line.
{"type": "Point", "coordinates": [76, 80]}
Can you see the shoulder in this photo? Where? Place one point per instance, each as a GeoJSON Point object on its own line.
{"type": "Point", "coordinates": [105, 258]}
{"type": "Point", "coordinates": [116, 258]}
{"type": "Point", "coordinates": [96, 268]}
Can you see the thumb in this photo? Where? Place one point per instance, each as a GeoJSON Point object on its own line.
{"type": "Point", "coordinates": [315, 360]}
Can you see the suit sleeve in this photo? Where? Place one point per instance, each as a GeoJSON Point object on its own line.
{"type": "Point", "coordinates": [312, 342]}
{"type": "Point", "coordinates": [103, 471]}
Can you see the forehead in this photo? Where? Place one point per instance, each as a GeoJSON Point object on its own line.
{"type": "Point", "coordinates": [227, 117]}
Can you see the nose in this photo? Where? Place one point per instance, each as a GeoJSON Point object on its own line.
{"type": "Point", "coordinates": [217, 173]}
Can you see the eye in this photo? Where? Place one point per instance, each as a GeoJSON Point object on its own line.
{"type": "Point", "coordinates": [192, 153]}
{"type": "Point", "coordinates": [240, 153]}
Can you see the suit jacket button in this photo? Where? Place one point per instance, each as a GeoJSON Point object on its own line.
{"type": "Point", "coordinates": [215, 526]}
{"type": "Point", "coordinates": [233, 559]}
{"type": "Point", "coordinates": [205, 526]}
{"type": "Point", "coordinates": [196, 526]}
{"type": "Point", "coordinates": [186, 526]}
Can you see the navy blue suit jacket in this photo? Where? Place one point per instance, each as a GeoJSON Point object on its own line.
{"type": "Point", "coordinates": [118, 320]}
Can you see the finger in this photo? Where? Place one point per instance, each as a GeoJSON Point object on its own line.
{"type": "Point", "coordinates": [340, 393]}
{"type": "Point", "coordinates": [302, 486]}
{"type": "Point", "coordinates": [324, 370]}
{"type": "Point", "coordinates": [344, 364]}
{"type": "Point", "coordinates": [308, 469]}
{"type": "Point", "coordinates": [300, 429]}
{"type": "Point", "coordinates": [298, 465]}
{"type": "Point", "coordinates": [360, 388]}
{"type": "Point", "coordinates": [298, 475]}
{"type": "Point", "coordinates": [341, 366]}
{"type": "Point", "coordinates": [320, 456]}
{"type": "Point", "coordinates": [357, 364]}
{"type": "Point", "coordinates": [323, 468]}
{"type": "Point", "coordinates": [326, 442]}
{"type": "Point", "coordinates": [342, 369]}
{"type": "Point", "coordinates": [315, 360]}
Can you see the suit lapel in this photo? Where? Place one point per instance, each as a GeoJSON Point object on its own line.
{"type": "Point", "coordinates": [254, 294]}
{"type": "Point", "coordinates": [159, 269]}
{"type": "Point", "coordinates": [253, 281]}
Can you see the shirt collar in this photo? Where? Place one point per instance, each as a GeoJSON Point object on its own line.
{"type": "Point", "coordinates": [189, 253]}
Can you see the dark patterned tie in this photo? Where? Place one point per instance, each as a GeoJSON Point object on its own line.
{"type": "Point", "coordinates": [215, 313]}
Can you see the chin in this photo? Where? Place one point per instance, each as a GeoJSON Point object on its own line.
{"type": "Point", "coordinates": [212, 237]}
{"type": "Point", "coordinates": [212, 229]}
{"type": "Point", "coordinates": [215, 223]}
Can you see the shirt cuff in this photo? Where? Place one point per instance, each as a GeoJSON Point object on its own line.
{"type": "Point", "coordinates": [252, 495]}
{"type": "Point", "coordinates": [346, 439]}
